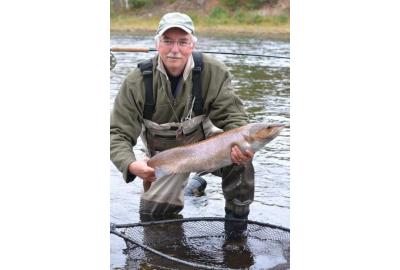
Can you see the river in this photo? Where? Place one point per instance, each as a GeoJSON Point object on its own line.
{"type": "Point", "coordinates": [263, 84]}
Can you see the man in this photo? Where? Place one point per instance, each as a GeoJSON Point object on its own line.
{"type": "Point", "coordinates": [175, 99]}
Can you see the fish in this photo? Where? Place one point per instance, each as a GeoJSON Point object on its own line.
{"type": "Point", "coordinates": [215, 152]}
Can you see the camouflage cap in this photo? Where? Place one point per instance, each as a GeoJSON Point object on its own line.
{"type": "Point", "coordinates": [175, 19]}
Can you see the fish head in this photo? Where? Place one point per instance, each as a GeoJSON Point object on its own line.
{"type": "Point", "coordinates": [264, 132]}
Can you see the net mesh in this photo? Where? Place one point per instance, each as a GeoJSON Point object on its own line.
{"type": "Point", "coordinates": [206, 243]}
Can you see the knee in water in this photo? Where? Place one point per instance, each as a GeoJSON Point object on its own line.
{"type": "Point", "coordinates": [195, 186]}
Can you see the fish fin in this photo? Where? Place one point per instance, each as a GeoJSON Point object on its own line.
{"type": "Point", "coordinates": [160, 172]}
{"type": "Point", "coordinates": [202, 173]}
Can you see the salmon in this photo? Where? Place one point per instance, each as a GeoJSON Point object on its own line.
{"type": "Point", "coordinates": [215, 152]}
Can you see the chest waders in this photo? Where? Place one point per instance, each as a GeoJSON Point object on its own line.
{"type": "Point", "coordinates": [165, 196]}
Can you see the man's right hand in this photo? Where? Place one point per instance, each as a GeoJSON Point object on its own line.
{"type": "Point", "coordinates": [140, 169]}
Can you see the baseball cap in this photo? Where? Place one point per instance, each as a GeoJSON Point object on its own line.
{"type": "Point", "coordinates": [175, 19]}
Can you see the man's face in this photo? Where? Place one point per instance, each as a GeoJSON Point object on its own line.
{"type": "Point", "coordinates": [174, 48]}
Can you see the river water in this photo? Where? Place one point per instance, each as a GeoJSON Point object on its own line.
{"type": "Point", "coordinates": [263, 84]}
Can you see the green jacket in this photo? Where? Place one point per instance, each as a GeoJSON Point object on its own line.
{"type": "Point", "coordinates": [222, 106]}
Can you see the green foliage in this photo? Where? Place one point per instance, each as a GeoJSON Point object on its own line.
{"type": "Point", "coordinates": [137, 3]}
{"type": "Point", "coordinates": [243, 16]}
{"type": "Point", "coordinates": [248, 18]}
{"type": "Point", "coordinates": [282, 19]}
{"type": "Point", "coordinates": [233, 4]}
{"type": "Point", "coordinates": [194, 15]}
{"type": "Point", "coordinates": [112, 11]}
{"type": "Point", "coordinates": [218, 13]}
{"type": "Point", "coordinates": [256, 19]}
{"type": "Point", "coordinates": [254, 4]}
{"type": "Point", "coordinates": [249, 4]}
{"type": "Point", "coordinates": [240, 16]}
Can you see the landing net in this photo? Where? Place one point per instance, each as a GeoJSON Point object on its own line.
{"type": "Point", "coordinates": [205, 243]}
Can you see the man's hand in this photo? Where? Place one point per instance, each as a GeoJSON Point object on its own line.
{"type": "Point", "coordinates": [140, 169]}
{"type": "Point", "coordinates": [240, 158]}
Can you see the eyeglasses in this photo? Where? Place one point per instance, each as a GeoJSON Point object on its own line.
{"type": "Point", "coordinates": [171, 43]}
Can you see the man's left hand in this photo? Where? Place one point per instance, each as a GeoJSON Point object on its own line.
{"type": "Point", "coordinates": [240, 158]}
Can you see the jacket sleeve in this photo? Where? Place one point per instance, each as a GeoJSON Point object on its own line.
{"type": "Point", "coordinates": [125, 128]}
{"type": "Point", "coordinates": [226, 110]}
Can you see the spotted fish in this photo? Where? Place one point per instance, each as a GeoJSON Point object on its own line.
{"type": "Point", "coordinates": [215, 152]}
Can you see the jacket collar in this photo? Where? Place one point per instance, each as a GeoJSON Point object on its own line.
{"type": "Point", "coordinates": [188, 68]}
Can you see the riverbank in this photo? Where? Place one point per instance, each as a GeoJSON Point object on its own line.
{"type": "Point", "coordinates": [211, 18]}
{"type": "Point", "coordinates": [272, 28]}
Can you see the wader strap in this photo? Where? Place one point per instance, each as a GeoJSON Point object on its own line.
{"type": "Point", "coordinates": [196, 91]}
{"type": "Point", "coordinates": [146, 68]}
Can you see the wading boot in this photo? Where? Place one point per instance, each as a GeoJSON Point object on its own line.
{"type": "Point", "coordinates": [235, 230]}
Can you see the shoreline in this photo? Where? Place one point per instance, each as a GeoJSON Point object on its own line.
{"type": "Point", "coordinates": [265, 29]}
{"type": "Point", "coordinates": [216, 31]}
